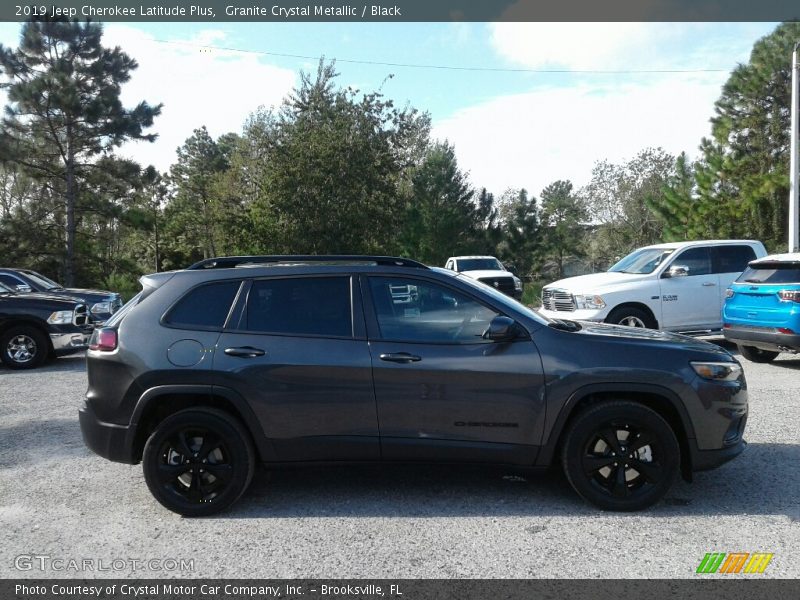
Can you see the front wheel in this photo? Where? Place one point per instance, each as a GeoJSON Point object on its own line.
{"type": "Point", "coordinates": [757, 355]}
{"type": "Point", "coordinates": [631, 317]}
{"type": "Point", "coordinates": [198, 462]}
{"type": "Point", "coordinates": [23, 347]}
{"type": "Point", "coordinates": [620, 456]}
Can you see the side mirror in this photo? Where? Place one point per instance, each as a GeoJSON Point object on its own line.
{"type": "Point", "coordinates": [501, 329]}
{"type": "Point", "coordinates": [677, 271]}
{"type": "Point", "coordinates": [24, 288]}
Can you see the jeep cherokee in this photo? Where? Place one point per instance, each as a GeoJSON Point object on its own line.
{"type": "Point", "coordinates": [288, 360]}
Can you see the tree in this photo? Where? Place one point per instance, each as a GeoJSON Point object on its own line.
{"type": "Point", "coordinates": [64, 111]}
{"type": "Point", "coordinates": [442, 218]}
{"type": "Point", "coordinates": [518, 217]}
{"type": "Point", "coordinates": [622, 199]}
{"type": "Point", "coordinates": [744, 171]}
{"type": "Point", "coordinates": [333, 166]}
{"type": "Point", "coordinates": [563, 218]}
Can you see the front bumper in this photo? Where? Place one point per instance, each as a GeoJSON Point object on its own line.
{"type": "Point", "coordinates": [584, 314]}
{"type": "Point", "coordinates": [764, 340]}
{"type": "Point", "coordinates": [704, 460]}
{"type": "Point", "coordinates": [109, 440]}
{"type": "Point", "coordinates": [67, 343]}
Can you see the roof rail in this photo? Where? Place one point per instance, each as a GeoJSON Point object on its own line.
{"type": "Point", "coordinates": [230, 262]}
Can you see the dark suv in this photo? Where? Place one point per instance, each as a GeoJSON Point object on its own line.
{"type": "Point", "coordinates": [298, 359]}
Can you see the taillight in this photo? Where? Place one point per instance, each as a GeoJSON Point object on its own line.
{"type": "Point", "coordinates": [104, 339]}
{"type": "Point", "coordinates": [789, 295]}
{"type": "Point", "coordinates": [785, 330]}
{"type": "Point", "coordinates": [729, 293]}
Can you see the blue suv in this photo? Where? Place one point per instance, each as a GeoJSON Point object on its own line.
{"type": "Point", "coordinates": [762, 309]}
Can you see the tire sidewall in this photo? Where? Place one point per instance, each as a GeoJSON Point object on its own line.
{"type": "Point", "coordinates": [588, 423]}
{"type": "Point", "coordinates": [237, 440]}
{"type": "Point", "coordinates": [757, 355]}
{"type": "Point", "coordinates": [618, 314]}
{"type": "Point", "coordinates": [42, 348]}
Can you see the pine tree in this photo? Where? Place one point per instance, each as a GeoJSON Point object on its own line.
{"type": "Point", "coordinates": [64, 111]}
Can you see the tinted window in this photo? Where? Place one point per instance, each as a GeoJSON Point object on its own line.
{"type": "Point", "coordinates": [697, 259]}
{"type": "Point", "coordinates": [301, 306]}
{"type": "Point", "coordinates": [732, 259]}
{"type": "Point", "coordinates": [10, 280]}
{"type": "Point", "coordinates": [411, 310]}
{"type": "Point", "coordinates": [772, 273]}
{"type": "Point", "coordinates": [479, 264]}
{"type": "Point", "coordinates": [205, 306]}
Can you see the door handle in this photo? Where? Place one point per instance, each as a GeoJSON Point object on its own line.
{"type": "Point", "coordinates": [245, 352]}
{"type": "Point", "coordinates": [400, 357]}
{"type": "Point", "coordinates": [709, 284]}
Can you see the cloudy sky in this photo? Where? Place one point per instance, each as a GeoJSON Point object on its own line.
{"type": "Point", "coordinates": [512, 124]}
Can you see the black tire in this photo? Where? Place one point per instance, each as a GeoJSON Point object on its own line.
{"type": "Point", "coordinates": [198, 462]}
{"type": "Point", "coordinates": [631, 317]}
{"type": "Point", "coordinates": [653, 457]}
{"type": "Point", "coordinates": [757, 355]}
{"type": "Point", "coordinates": [23, 347]}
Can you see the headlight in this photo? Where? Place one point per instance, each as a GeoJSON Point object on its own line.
{"type": "Point", "coordinates": [101, 307]}
{"type": "Point", "coordinates": [60, 317]}
{"type": "Point", "coordinates": [517, 284]}
{"type": "Point", "coordinates": [717, 371]}
{"type": "Point", "coordinates": [589, 301]}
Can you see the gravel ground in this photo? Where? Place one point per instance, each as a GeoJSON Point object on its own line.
{"type": "Point", "coordinates": [61, 501]}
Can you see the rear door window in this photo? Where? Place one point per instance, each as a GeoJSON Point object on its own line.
{"type": "Point", "coordinates": [204, 307]}
{"type": "Point", "coordinates": [732, 259]}
{"type": "Point", "coordinates": [316, 306]}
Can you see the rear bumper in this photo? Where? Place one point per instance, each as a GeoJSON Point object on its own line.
{"type": "Point", "coordinates": [764, 340]}
{"type": "Point", "coordinates": [109, 440]}
{"type": "Point", "coordinates": [704, 460]}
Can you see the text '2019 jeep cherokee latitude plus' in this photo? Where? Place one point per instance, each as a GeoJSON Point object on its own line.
{"type": "Point", "coordinates": [288, 360]}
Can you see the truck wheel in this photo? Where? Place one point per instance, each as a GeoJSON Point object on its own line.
{"type": "Point", "coordinates": [631, 317]}
{"type": "Point", "coordinates": [198, 462]}
{"type": "Point", "coordinates": [620, 455]}
{"type": "Point", "coordinates": [23, 347]}
{"type": "Point", "coordinates": [757, 355]}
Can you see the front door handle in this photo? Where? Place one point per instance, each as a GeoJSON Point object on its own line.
{"type": "Point", "coordinates": [245, 352]}
{"type": "Point", "coordinates": [400, 357]}
{"type": "Point", "coordinates": [709, 284]}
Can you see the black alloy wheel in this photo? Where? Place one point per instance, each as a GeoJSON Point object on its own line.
{"type": "Point", "coordinates": [198, 462]}
{"type": "Point", "coordinates": [620, 455]}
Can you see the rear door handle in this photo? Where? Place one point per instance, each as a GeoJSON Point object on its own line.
{"type": "Point", "coordinates": [709, 284]}
{"type": "Point", "coordinates": [245, 352]}
{"type": "Point", "coordinates": [400, 357]}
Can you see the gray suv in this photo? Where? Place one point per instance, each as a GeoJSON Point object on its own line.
{"type": "Point", "coordinates": [286, 360]}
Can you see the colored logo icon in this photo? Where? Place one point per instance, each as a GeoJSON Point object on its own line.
{"type": "Point", "coordinates": [734, 562]}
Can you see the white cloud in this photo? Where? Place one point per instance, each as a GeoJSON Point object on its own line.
{"type": "Point", "coordinates": [197, 85]}
{"type": "Point", "coordinates": [531, 139]}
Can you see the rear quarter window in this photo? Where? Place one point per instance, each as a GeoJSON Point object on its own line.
{"type": "Point", "coordinates": [206, 306]}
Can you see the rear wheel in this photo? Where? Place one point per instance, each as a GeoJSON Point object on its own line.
{"type": "Point", "coordinates": [198, 462]}
{"type": "Point", "coordinates": [630, 316]}
{"type": "Point", "coordinates": [620, 456]}
{"type": "Point", "coordinates": [757, 355]}
{"type": "Point", "coordinates": [23, 347]}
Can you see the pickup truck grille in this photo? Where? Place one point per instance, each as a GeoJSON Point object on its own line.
{"type": "Point", "coordinates": [504, 284]}
{"type": "Point", "coordinates": [80, 315]}
{"type": "Point", "coordinates": [557, 300]}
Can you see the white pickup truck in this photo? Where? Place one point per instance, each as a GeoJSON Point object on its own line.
{"type": "Point", "coordinates": [488, 270]}
{"type": "Point", "coordinates": [678, 286]}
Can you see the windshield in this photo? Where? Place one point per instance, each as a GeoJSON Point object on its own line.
{"type": "Point", "coordinates": [42, 281]}
{"type": "Point", "coordinates": [771, 273]}
{"type": "Point", "coordinates": [642, 261]}
{"type": "Point", "coordinates": [478, 264]}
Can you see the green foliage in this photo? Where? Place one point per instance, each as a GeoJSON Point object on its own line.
{"type": "Point", "coordinates": [563, 217]}
{"type": "Point", "coordinates": [518, 216]}
{"type": "Point", "coordinates": [63, 120]}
